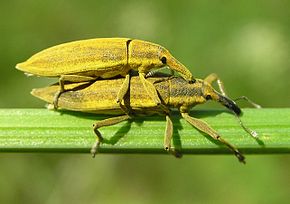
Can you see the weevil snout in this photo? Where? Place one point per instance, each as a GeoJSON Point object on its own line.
{"type": "Point", "coordinates": [230, 104]}
{"type": "Point", "coordinates": [168, 60]}
{"type": "Point", "coordinates": [211, 94]}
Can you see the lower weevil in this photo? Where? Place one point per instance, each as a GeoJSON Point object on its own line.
{"type": "Point", "coordinates": [174, 92]}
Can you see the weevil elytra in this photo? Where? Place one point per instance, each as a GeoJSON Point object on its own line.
{"type": "Point", "coordinates": [86, 60]}
{"type": "Point", "coordinates": [175, 92]}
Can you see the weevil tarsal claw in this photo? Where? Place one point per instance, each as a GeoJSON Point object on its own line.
{"type": "Point", "coordinates": [240, 157]}
{"type": "Point", "coordinates": [94, 149]}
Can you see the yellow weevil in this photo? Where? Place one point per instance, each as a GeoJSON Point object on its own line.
{"type": "Point", "coordinates": [87, 60]}
{"type": "Point", "coordinates": [175, 92]}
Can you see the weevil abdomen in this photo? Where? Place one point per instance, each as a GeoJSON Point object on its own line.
{"type": "Point", "coordinates": [99, 97]}
{"type": "Point", "coordinates": [101, 57]}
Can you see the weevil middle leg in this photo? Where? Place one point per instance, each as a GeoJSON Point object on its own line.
{"type": "Point", "coordinates": [204, 127]}
{"type": "Point", "coordinates": [70, 78]}
{"type": "Point", "coordinates": [124, 89]}
{"type": "Point", "coordinates": [168, 137]}
{"type": "Point", "coordinates": [149, 87]}
{"type": "Point", "coordinates": [102, 123]}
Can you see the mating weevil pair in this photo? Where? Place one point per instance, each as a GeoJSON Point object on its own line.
{"type": "Point", "coordinates": [87, 60]}
{"type": "Point", "coordinates": [82, 62]}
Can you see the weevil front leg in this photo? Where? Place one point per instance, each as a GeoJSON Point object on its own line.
{"type": "Point", "coordinates": [204, 127]}
{"type": "Point", "coordinates": [214, 77]}
{"type": "Point", "coordinates": [70, 78]}
{"type": "Point", "coordinates": [152, 92]}
{"type": "Point", "coordinates": [103, 123]}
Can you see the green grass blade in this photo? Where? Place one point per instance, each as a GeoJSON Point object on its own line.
{"type": "Point", "coordinates": [41, 130]}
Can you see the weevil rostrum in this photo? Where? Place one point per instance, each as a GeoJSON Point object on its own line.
{"type": "Point", "coordinates": [87, 60]}
{"type": "Point", "coordinates": [174, 92]}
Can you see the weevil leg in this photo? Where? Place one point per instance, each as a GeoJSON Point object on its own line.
{"type": "Point", "coordinates": [69, 78]}
{"type": "Point", "coordinates": [152, 92]}
{"type": "Point", "coordinates": [204, 127]}
{"type": "Point", "coordinates": [150, 88]}
{"type": "Point", "coordinates": [214, 77]}
{"type": "Point", "coordinates": [103, 123]}
{"type": "Point", "coordinates": [122, 92]}
{"type": "Point", "coordinates": [168, 133]}
{"type": "Point", "coordinates": [157, 72]}
{"type": "Point", "coordinates": [124, 89]}
{"type": "Point", "coordinates": [168, 138]}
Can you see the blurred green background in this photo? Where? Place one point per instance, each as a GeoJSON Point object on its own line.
{"type": "Point", "coordinates": [245, 42]}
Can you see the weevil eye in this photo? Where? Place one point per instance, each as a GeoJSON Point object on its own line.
{"type": "Point", "coordinates": [208, 97]}
{"type": "Point", "coordinates": [163, 60]}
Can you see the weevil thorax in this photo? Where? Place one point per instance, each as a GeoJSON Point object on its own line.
{"type": "Point", "coordinates": [184, 95]}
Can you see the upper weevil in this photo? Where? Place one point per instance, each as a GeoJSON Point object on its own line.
{"type": "Point", "coordinates": [175, 92]}
{"type": "Point", "coordinates": [86, 60]}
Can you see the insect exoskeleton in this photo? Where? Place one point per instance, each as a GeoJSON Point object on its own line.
{"type": "Point", "coordinates": [175, 92]}
{"type": "Point", "coordinates": [87, 60]}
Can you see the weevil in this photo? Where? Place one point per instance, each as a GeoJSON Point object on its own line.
{"type": "Point", "coordinates": [87, 60]}
{"type": "Point", "coordinates": [175, 92]}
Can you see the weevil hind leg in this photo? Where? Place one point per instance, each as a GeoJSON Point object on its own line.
{"type": "Point", "coordinates": [103, 123]}
{"type": "Point", "coordinates": [204, 127]}
{"type": "Point", "coordinates": [214, 77]}
{"type": "Point", "coordinates": [68, 78]}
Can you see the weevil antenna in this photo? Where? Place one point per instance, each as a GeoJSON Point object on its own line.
{"type": "Point", "coordinates": [231, 105]}
{"type": "Point", "coordinates": [249, 101]}
{"type": "Point", "coordinates": [253, 133]}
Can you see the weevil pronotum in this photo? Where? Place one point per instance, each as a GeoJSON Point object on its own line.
{"type": "Point", "coordinates": [175, 92]}
{"type": "Point", "coordinates": [86, 60]}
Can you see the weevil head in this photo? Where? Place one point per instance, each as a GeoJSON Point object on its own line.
{"type": "Point", "coordinates": [168, 60]}
{"type": "Point", "coordinates": [209, 93]}
{"type": "Point", "coordinates": [148, 55]}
